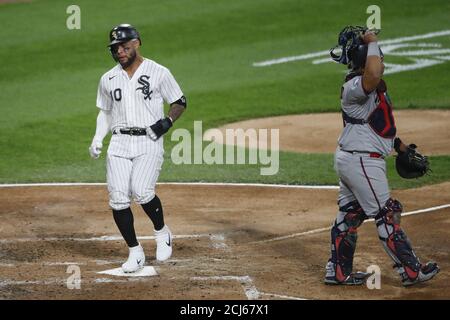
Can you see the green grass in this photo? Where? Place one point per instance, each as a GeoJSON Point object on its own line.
{"type": "Point", "coordinates": [49, 76]}
{"type": "Point", "coordinates": [294, 168]}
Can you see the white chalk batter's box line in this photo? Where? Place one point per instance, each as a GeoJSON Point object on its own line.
{"type": "Point", "coordinates": [59, 263]}
{"type": "Point", "coordinates": [63, 281]}
{"type": "Point", "coordinates": [249, 287]}
{"type": "Point", "coordinates": [215, 238]}
{"type": "Point", "coordinates": [320, 230]}
{"type": "Point", "coordinates": [103, 262]}
{"type": "Point", "coordinates": [218, 184]}
{"type": "Point", "coordinates": [250, 290]}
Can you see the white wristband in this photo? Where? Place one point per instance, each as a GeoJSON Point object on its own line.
{"type": "Point", "coordinates": [373, 49]}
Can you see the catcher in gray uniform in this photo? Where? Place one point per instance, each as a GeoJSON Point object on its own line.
{"type": "Point", "coordinates": [368, 136]}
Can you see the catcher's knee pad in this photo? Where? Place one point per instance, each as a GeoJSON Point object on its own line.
{"type": "Point", "coordinates": [394, 240]}
{"type": "Point", "coordinates": [344, 234]}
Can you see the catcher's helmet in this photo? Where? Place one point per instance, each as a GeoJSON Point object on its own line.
{"type": "Point", "coordinates": [123, 33]}
{"type": "Point", "coordinates": [357, 56]}
{"type": "Point", "coordinates": [353, 49]}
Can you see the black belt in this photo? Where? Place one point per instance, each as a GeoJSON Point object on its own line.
{"type": "Point", "coordinates": [348, 119]}
{"type": "Point", "coordinates": [132, 131]}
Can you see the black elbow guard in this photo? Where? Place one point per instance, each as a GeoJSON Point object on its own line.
{"type": "Point", "coordinates": [182, 102]}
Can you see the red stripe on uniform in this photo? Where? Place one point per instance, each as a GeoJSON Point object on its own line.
{"type": "Point", "coordinates": [370, 184]}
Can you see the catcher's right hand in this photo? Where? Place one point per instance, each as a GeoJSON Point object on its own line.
{"type": "Point", "coordinates": [95, 149]}
{"type": "Point", "coordinates": [411, 164]}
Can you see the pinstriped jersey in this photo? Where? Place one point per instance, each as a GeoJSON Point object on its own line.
{"type": "Point", "coordinates": [137, 101]}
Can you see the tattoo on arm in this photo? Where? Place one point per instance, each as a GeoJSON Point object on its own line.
{"type": "Point", "coordinates": [175, 111]}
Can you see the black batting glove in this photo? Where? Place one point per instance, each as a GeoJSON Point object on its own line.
{"type": "Point", "coordinates": [160, 127]}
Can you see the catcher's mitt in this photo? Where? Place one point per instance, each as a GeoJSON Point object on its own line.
{"type": "Point", "coordinates": [411, 164]}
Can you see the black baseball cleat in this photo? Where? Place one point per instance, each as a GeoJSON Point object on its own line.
{"type": "Point", "coordinates": [427, 272]}
{"type": "Point", "coordinates": [354, 279]}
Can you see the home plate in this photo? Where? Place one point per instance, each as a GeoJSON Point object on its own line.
{"type": "Point", "coordinates": [144, 272]}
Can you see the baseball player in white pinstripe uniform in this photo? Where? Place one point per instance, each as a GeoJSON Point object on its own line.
{"type": "Point", "coordinates": [130, 98]}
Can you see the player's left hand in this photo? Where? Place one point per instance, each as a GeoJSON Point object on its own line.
{"type": "Point", "coordinates": [160, 127]}
{"type": "Point", "coordinates": [411, 164]}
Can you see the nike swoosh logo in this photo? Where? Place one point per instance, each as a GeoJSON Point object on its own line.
{"type": "Point", "coordinates": [168, 243]}
{"type": "Point", "coordinates": [111, 77]}
{"type": "Point", "coordinates": [138, 261]}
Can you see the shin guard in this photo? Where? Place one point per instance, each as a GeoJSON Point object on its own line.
{"type": "Point", "coordinates": [395, 241]}
{"type": "Point", "coordinates": [344, 235]}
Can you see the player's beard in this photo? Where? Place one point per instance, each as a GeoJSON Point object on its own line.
{"type": "Point", "coordinates": [129, 61]}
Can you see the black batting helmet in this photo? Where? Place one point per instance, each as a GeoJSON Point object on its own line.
{"type": "Point", "coordinates": [123, 33]}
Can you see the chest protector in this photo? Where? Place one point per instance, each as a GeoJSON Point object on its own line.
{"type": "Point", "coordinates": [381, 120]}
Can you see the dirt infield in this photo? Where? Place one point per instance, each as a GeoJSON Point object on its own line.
{"type": "Point", "coordinates": [224, 245]}
{"type": "Point", "coordinates": [318, 133]}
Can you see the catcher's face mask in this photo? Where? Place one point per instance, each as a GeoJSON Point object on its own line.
{"type": "Point", "coordinates": [351, 49]}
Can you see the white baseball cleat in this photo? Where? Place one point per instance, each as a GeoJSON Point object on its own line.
{"type": "Point", "coordinates": [163, 239]}
{"type": "Point", "coordinates": [136, 260]}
